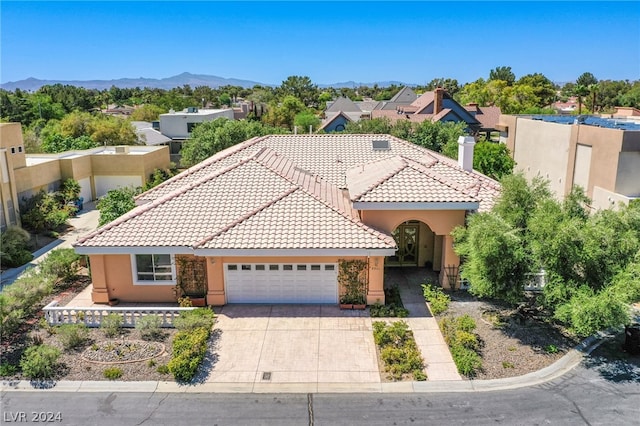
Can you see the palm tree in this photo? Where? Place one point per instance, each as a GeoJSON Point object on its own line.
{"type": "Point", "coordinates": [580, 91]}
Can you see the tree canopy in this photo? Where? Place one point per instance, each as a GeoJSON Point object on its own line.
{"type": "Point", "coordinates": [591, 260]}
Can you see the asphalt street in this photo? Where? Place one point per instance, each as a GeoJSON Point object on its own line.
{"type": "Point", "coordinates": [595, 393]}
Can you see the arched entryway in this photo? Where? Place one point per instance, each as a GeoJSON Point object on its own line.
{"type": "Point", "coordinates": [418, 246]}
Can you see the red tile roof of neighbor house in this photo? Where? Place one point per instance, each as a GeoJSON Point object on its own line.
{"type": "Point", "coordinates": [286, 192]}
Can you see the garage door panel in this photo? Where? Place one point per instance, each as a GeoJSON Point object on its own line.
{"type": "Point", "coordinates": [281, 283]}
{"type": "Point", "coordinates": [106, 183]}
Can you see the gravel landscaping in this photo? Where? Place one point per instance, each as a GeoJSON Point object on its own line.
{"type": "Point", "coordinates": [510, 344]}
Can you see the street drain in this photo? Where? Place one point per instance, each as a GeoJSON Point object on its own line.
{"type": "Point", "coordinates": [266, 375]}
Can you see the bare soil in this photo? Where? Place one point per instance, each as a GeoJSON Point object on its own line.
{"type": "Point", "coordinates": [511, 343]}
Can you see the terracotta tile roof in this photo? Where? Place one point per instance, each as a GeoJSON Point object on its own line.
{"type": "Point", "coordinates": [235, 207]}
{"type": "Point", "coordinates": [399, 179]}
{"type": "Point", "coordinates": [286, 191]}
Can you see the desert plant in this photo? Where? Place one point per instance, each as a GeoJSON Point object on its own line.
{"type": "Point", "coordinates": [551, 349]}
{"type": "Point", "coordinates": [163, 369]}
{"type": "Point", "coordinates": [151, 363]}
{"type": "Point", "coordinates": [73, 336]}
{"type": "Point", "coordinates": [111, 324]}
{"type": "Point", "coordinates": [112, 373]}
{"type": "Point", "coordinates": [7, 369]}
{"type": "Point", "coordinates": [190, 320]}
{"type": "Point", "coordinates": [61, 264]}
{"type": "Point", "coordinates": [149, 327]}
{"type": "Point", "coordinates": [21, 299]}
{"type": "Point", "coordinates": [438, 301]}
{"type": "Point", "coordinates": [398, 350]}
{"type": "Point", "coordinates": [463, 343]}
{"type": "Point", "coordinates": [39, 362]}
{"type": "Point", "coordinates": [13, 247]}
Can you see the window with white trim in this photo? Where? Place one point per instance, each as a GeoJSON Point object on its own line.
{"type": "Point", "coordinates": [154, 269]}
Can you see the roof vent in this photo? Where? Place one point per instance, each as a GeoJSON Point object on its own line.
{"type": "Point", "coordinates": [380, 145]}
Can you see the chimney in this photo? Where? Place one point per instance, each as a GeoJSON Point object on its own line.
{"type": "Point", "coordinates": [437, 100]}
{"type": "Point", "coordinates": [465, 152]}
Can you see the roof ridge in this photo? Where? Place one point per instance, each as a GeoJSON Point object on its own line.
{"type": "Point", "coordinates": [246, 216]}
{"type": "Point", "coordinates": [440, 178]}
{"type": "Point", "coordinates": [206, 163]}
{"type": "Point", "coordinates": [161, 200]}
{"type": "Point", "coordinates": [304, 184]}
{"type": "Point", "coordinates": [385, 177]}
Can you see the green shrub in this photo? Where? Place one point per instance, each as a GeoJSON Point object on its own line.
{"type": "Point", "coordinates": [149, 327]}
{"type": "Point", "coordinates": [189, 349]}
{"type": "Point", "coordinates": [463, 343]}
{"type": "Point", "coordinates": [465, 323]}
{"type": "Point", "coordinates": [112, 373]}
{"type": "Point", "coordinates": [22, 298]}
{"type": "Point", "coordinates": [61, 264]}
{"type": "Point", "coordinates": [551, 349]}
{"type": "Point", "coordinates": [163, 369]}
{"type": "Point", "coordinates": [507, 364]}
{"type": "Point", "coordinates": [13, 247]}
{"type": "Point", "coordinates": [398, 350]}
{"type": "Point", "coordinates": [190, 320]}
{"type": "Point", "coordinates": [388, 311]}
{"type": "Point", "coordinates": [73, 336]}
{"type": "Point", "coordinates": [111, 324]}
{"type": "Point", "coordinates": [151, 363]}
{"type": "Point", "coordinates": [39, 362]}
{"type": "Point", "coordinates": [438, 301]}
{"type": "Point", "coordinates": [7, 369]}
{"type": "Point", "coordinates": [467, 360]}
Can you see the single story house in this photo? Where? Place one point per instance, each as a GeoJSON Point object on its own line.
{"type": "Point", "coordinates": [270, 220]}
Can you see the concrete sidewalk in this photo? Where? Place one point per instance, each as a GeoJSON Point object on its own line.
{"type": "Point", "coordinates": [84, 222]}
{"type": "Point", "coordinates": [557, 369]}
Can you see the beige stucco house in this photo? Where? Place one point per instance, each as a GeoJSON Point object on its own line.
{"type": "Point", "coordinates": [97, 170]}
{"type": "Point", "coordinates": [270, 219]}
{"type": "Point", "coordinates": [600, 154]}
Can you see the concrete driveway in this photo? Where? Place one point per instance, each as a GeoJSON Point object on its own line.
{"type": "Point", "coordinates": [267, 344]}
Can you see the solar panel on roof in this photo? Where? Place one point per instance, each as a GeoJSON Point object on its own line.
{"type": "Point", "coordinates": [609, 123]}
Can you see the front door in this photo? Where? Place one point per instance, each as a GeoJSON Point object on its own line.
{"type": "Point", "coordinates": [406, 236]}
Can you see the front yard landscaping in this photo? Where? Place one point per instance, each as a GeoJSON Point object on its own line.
{"type": "Point", "coordinates": [398, 351]}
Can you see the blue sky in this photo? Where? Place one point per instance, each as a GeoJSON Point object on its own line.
{"type": "Point", "coordinates": [330, 42]}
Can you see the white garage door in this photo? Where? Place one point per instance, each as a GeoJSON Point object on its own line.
{"type": "Point", "coordinates": [105, 184]}
{"type": "Point", "coordinates": [281, 283]}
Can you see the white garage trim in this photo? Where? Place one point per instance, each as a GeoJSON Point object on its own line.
{"type": "Point", "coordinates": [105, 184]}
{"type": "Point", "coordinates": [281, 282]}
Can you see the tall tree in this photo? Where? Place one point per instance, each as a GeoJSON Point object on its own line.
{"type": "Point", "coordinates": [300, 87]}
{"type": "Point", "coordinates": [504, 74]}
{"type": "Point", "coordinates": [586, 79]}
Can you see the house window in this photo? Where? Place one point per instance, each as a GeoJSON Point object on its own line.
{"type": "Point", "coordinates": [13, 149]}
{"type": "Point", "coordinates": [315, 267]}
{"type": "Point", "coordinates": [154, 269]}
{"type": "Point", "coordinates": [20, 148]}
{"type": "Point", "coordinates": [191, 126]}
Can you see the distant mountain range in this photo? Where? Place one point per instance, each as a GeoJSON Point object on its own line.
{"type": "Point", "coordinates": [193, 80]}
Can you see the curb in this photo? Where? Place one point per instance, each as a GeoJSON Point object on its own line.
{"type": "Point", "coordinates": [565, 364]}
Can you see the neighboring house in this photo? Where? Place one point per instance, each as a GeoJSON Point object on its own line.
{"type": "Point", "coordinates": [602, 155]}
{"type": "Point", "coordinates": [149, 134]}
{"type": "Point", "coordinates": [119, 110]}
{"type": "Point", "coordinates": [567, 107]}
{"type": "Point", "coordinates": [339, 113]}
{"type": "Point", "coordinates": [270, 219]}
{"type": "Point", "coordinates": [406, 96]}
{"type": "Point", "coordinates": [97, 170]}
{"type": "Point", "coordinates": [438, 105]}
{"type": "Point", "coordinates": [178, 125]}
